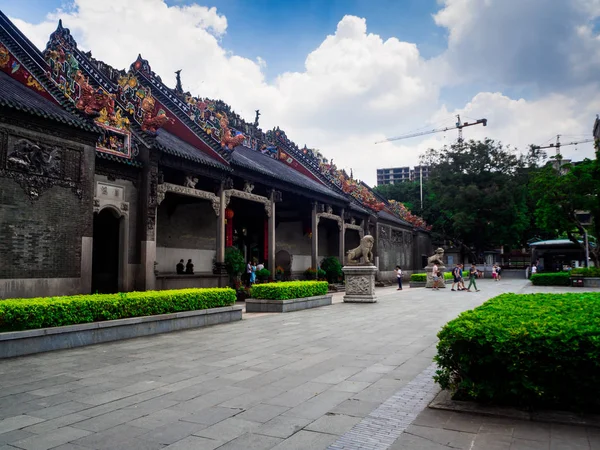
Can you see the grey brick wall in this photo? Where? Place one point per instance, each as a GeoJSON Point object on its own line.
{"type": "Point", "coordinates": [42, 238]}
{"type": "Point", "coordinates": [191, 225]}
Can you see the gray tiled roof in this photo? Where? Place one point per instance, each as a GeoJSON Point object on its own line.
{"type": "Point", "coordinates": [15, 95]}
{"type": "Point", "coordinates": [264, 164]}
{"type": "Point", "coordinates": [384, 215]}
{"type": "Point", "coordinates": [169, 143]}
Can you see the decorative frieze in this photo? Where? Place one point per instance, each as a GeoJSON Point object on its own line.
{"type": "Point", "coordinates": [249, 196]}
{"type": "Point", "coordinates": [330, 216]}
{"type": "Point", "coordinates": [163, 188]}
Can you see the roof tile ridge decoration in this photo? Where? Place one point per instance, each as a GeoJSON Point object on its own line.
{"type": "Point", "coordinates": [398, 209]}
{"type": "Point", "coordinates": [140, 67]}
{"type": "Point", "coordinates": [26, 64]}
{"type": "Point", "coordinates": [98, 97]}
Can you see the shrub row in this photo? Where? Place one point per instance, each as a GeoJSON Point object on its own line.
{"type": "Point", "coordinates": [586, 272]}
{"type": "Point", "coordinates": [289, 289]}
{"type": "Point", "coordinates": [525, 350]}
{"type": "Point", "coordinates": [30, 313]}
{"type": "Point", "coordinates": [550, 279]}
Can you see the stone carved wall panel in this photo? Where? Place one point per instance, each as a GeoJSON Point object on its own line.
{"type": "Point", "coordinates": [358, 285]}
{"type": "Point", "coordinates": [39, 165]}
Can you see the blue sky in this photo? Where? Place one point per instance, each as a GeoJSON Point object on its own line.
{"type": "Point", "coordinates": [283, 32]}
{"type": "Point", "coordinates": [529, 67]}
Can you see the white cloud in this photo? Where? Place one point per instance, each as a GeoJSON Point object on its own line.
{"type": "Point", "coordinates": [357, 88]}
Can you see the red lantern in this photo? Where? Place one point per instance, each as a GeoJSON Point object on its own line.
{"type": "Point", "coordinates": [229, 213]}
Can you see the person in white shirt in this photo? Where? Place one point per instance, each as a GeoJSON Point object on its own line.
{"type": "Point", "coordinates": [398, 272]}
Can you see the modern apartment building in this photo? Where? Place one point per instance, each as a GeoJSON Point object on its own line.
{"type": "Point", "coordinates": [394, 175]}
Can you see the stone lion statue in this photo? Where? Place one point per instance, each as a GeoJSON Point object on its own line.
{"type": "Point", "coordinates": [436, 258]}
{"type": "Point", "coordinates": [363, 250]}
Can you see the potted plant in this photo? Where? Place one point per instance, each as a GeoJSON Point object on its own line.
{"type": "Point", "coordinates": [279, 272]}
{"type": "Point", "coordinates": [263, 275]}
{"type": "Point", "coordinates": [234, 264]}
{"type": "Point", "coordinates": [310, 273]}
{"type": "Point", "coordinates": [332, 268]}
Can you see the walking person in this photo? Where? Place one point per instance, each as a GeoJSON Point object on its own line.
{"type": "Point", "coordinates": [494, 273]}
{"type": "Point", "coordinates": [435, 274]}
{"type": "Point", "coordinates": [498, 273]}
{"type": "Point", "coordinates": [398, 272]}
{"type": "Point", "coordinates": [252, 274]}
{"type": "Point", "coordinates": [456, 274]}
{"type": "Point", "coordinates": [472, 277]}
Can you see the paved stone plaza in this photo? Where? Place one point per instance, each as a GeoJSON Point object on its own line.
{"type": "Point", "coordinates": [343, 376]}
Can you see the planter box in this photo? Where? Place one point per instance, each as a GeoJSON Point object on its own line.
{"type": "Point", "coordinates": [18, 343]}
{"type": "Point", "coordinates": [591, 282]}
{"type": "Point", "coordinates": [417, 284]}
{"type": "Point", "coordinates": [282, 306]}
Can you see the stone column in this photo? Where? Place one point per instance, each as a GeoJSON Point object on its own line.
{"type": "Point", "coordinates": [271, 237]}
{"type": "Point", "coordinates": [342, 248]}
{"type": "Point", "coordinates": [221, 229]}
{"type": "Point", "coordinates": [315, 236]}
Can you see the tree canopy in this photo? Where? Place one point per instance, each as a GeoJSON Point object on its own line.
{"type": "Point", "coordinates": [566, 195]}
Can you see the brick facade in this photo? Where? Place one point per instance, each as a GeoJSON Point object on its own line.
{"type": "Point", "coordinates": [37, 241]}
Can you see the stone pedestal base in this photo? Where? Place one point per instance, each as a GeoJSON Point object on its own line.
{"type": "Point", "coordinates": [360, 284]}
{"type": "Point", "coordinates": [441, 283]}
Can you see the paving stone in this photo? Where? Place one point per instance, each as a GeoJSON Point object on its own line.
{"type": "Point", "coordinates": [111, 437]}
{"type": "Point", "coordinates": [525, 444]}
{"type": "Point", "coordinates": [173, 432]}
{"type": "Point", "coordinates": [158, 419]}
{"type": "Point", "coordinates": [356, 408]}
{"type": "Point", "coordinates": [109, 420]}
{"type": "Point", "coordinates": [533, 431]}
{"type": "Point", "coordinates": [211, 416]}
{"type": "Point", "coordinates": [17, 422]}
{"type": "Point", "coordinates": [194, 443]}
{"type": "Point", "coordinates": [136, 444]}
{"type": "Point", "coordinates": [60, 410]}
{"type": "Point", "coordinates": [282, 426]}
{"type": "Point", "coordinates": [351, 386]}
{"type": "Point", "coordinates": [51, 439]}
{"type": "Point", "coordinates": [250, 441]}
{"type": "Point", "coordinates": [304, 440]}
{"type": "Point", "coordinates": [228, 429]}
{"type": "Point", "coordinates": [13, 436]}
{"type": "Point", "coordinates": [262, 413]}
{"type": "Point", "coordinates": [318, 405]}
{"type": "Point", "coordinates": [53, 424]}
{"type": "Point", "coordinates": [333, 424]}
{"type": "Point", "coordinates": [299, 394]}
{"type": "Point", "coordinates": [560, 444]}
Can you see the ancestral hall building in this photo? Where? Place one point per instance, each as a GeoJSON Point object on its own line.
{"type": "Point", "coordinates": [108, 178]}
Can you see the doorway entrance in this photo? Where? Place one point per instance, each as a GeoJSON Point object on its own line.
{"type": "Point", "coordinates": [105, 256]}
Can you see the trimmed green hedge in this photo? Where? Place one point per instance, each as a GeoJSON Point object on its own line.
{"type": "Point", "coordinates": [550, 279]}
{"type": "Point", "coordinates": [419, 277]}
{"type": "Point", "coordinates": [30, 313]}
{"type": "Point", "coordinates": [586, 272]}
{"type": "Point", "coordinates": [289, 289]}
{"type": "Point", "coordinates": [525, 350]}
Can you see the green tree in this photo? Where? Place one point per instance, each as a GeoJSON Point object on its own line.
{"type": "Point", "coordinates": [562, 192]}
{"type": "Point", "coordinates": [478, 194]}
{"type": "Point", "coordinates": [407, 192]}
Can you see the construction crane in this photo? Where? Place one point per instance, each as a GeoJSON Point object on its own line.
{"type": "Point", "coordinates": [559, 144]}
{"type": "Point", "coordinates": [459, 125]}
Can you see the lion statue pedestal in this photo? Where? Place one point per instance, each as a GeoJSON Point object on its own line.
{"type": "Point", "coordinates": [360, 275]}
{"type": "Point", "coordinates": [437, 259]}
